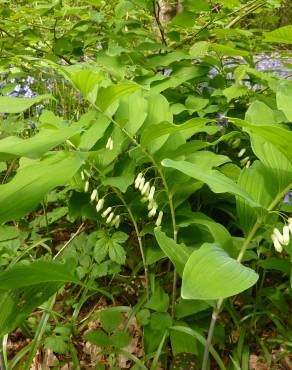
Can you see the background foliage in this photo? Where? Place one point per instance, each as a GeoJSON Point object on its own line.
{"type": "Point", "coordinates": [145, 166]}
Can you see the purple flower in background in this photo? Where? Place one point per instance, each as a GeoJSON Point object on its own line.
{"type": "Point", "coordinates": [99, 45]}
{"type": "Point", "coordinates": [222, 120]}
{"type": "Point", "coordinates": [287, 197]}
{"type": "Point", "coordinates": [30, 80]}
{"type": "Point", "coordinates": [31, 124]}
{"type": "Point", "coordinates": [40, 108]}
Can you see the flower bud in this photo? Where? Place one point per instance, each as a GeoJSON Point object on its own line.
{"type": "Point", "coordinates": [106, 212]}
{"type": "Point", "coordinates": [286, 236]}
{"type": "Point", "coordinates": [86, 186]}
{"type": "Point", "coordinates": [100, 204]}
{"type": "Point", "coordinates": [277, 244]}
{"type": "Point", "coordinates": [109, 144]}
{"type": "Point", "coordinates": [146, 188]}
{"type": "Point", "coordinates": [159, 218]}
{"type": "Point", "coordinates": [152, 212]}
{"type": "Point", "coordinates": [137, 180]}
{"type": "Point", "coordinates": [82, 176]}
{"type": "Point", "coordinates": [142, 182]}
{"type": "Point", "coordinates": [151, 193]}
{"type": "Point", "coordinates": [244, 160]}
{"type": "Point", "coordinates": [278, 235]}
{"type": "Point", "coordinates": [116, 221]}
{"type": "Point", "coordinates": [242, 151]}
{"type": "Point", "coordinates": [110, 217]}
{"type": "Point", "coordinates": [94, 195]}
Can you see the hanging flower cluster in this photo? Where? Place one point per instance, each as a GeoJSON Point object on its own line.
{"type": "Point", "coordinates": [147, 191]}
{"type": "Point", "coordinates": [244, 161]}
{"type": "Point", "coordinates": [108, 214]}
{"type": "Point", "coordinates": [279, 239]}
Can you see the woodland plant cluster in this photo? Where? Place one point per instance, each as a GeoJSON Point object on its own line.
{"type": "Point", "coordinates": [146, 184]}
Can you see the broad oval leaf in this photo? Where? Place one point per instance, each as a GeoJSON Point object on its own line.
{"type": "Point", "coordinates": [34, 147]}
{"type": "Point", "coordinates": [280, 35]}
{"type": "Point", "coordinates": [217, 182]}
{"type": "Point", "coordinates": [28, 187]}
{"type": "Point", "coordinates": [211, 274]}
{"type": "Point", "coordinates": [9, 104]}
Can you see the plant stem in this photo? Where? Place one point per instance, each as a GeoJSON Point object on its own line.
{"type": "Point", "coordinates": [138, 238]}
{"type": "Point", "coordinates": [215, 314]}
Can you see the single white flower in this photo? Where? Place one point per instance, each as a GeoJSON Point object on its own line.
{"type": "Point", "coordinates": [277, 244]}
{"type": "Point", "coordinates": [159, 218]}
{"type": "Point", "coordinates": [247, 164]}
{"type": "Point", "coordinates": [242, 151]}
{"type": "Point", "coordinates": [137, 180]}
{"type": "Point", "coordinates": [152, 212]}
{"type": "Point", "coordinates": [142, 182]}
{"type": "Point", "coordinates": [151, 193]}
{"type": "Point", "coordinates": [116, 221]}
{"type": "Point", "coordinates": [244, 160]}
{"type": "Point", "coordinates": [99, 204]}
{"type": "Point", "coordinates": [86, 186]}
{"type": "Point", "coordinates": [109, 144]}
{"type": "Point", "coordinates": [94, 195]}
{"type": "Point", "coordinates": [286, 236]}
{"type": "Point", "coordinates": [106, 212]}
{"type": "Point", "coordinates": [278, 235]}
{"type": "Point", "coordinates": [110, 217]}
{"type": "Point", "coordinates": [146, 188]}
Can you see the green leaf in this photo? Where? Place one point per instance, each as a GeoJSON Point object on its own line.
{"type": "Point", "coordinates": [218, 231]}
{"type": "Point", "coordinates": [211, 274]}
{"type": "Point", "coordinates": [182, 342]}
{"type": "Point", "coordinates": [284, 96]}
{"type": "Point", "coordinates": [56, 344]}
{"type": "Point", "coordinates": [120, 237]}
{"type": "Point", "coordinates": [117, 253]}
{"type": "Point", "coordinates": [199, 49]}
{"type": "Point", "coordinates": [276, 135]}
{"type": "Point", "coordinates": [259, 113]}
{"type": "Point", "coordinates": [228, 51]}
{"type": "Point", "coordinates": [108, 95]}
{"type": "Point", "coordinates": [217, 182]}
{"type": "Point", "coordinates": [159, 300]}
{"type": "Point", "coordinates": [196, 103]}
{"type": "Point", "coordinates": [163, 129]}
{"type": "Point", "coordinates": [110, 319]}
{"type": "Point", "coordinates": [202, 340]}
{"type": "Point", "coordinates": [98, 338]}
{"type": "Point", "coordinates": [100, 250]}
{"type": "Point", "coordinates": [94, 133]}
{"type": "Point", "coordinates": [178, 254]}
{"type": "Point", "coordinates": [33, 181]}
{"type": "Point", "coordinates": [121, 339]}
{"type": "Point", "coordinates": [234, 91]}
{"type": "Point", "coordinates": [132, 112]}
{"type": "Point", "coordinates": [17, 304]}
{"type": "Point", "coordinates": [9, 104]}
{"type": "Point", "coordinates": [34, 147]}
{"type": "Point", "coordinates": [185, 19]}
{"type": "Point", "coordinates": [85, 80]}
{"type": "Point", "coordinates": [281, 35]}
{"type": "Point", "coordinates": [37, 272]}
{"type": "Point", "coordinates": [187, 307]}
